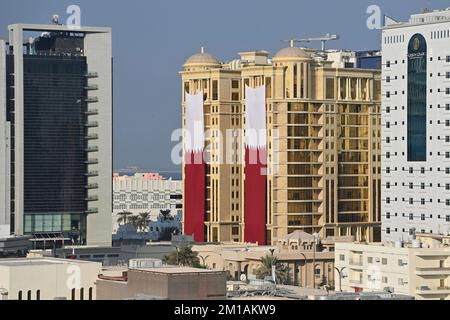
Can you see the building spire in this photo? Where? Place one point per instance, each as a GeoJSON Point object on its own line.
{"type": "Point", "coordinates": [292, 43]}
{"type": "Point", "coordinates": [202, 49]}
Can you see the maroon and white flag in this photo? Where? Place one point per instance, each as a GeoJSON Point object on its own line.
{"type": "Point", "coordinates": [194, 168]}
{"type": "Point", "coordinates": [255, 165]}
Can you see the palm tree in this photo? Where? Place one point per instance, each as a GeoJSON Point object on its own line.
{"type": "Point", "coordinates": [183, 255]}
{"type": "Point", "coordinates": [123, 217]}
{"type": "Point", "coordinates": [134, 221]}
{"type": "Point", "coordinates": [165, 214]}
{"type": "Point", "coordinates": [142, 222]}
{"type": "Point", "coordinates": [265, 270]}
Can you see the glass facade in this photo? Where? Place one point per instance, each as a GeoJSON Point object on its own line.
{"type": "Point", "coordinates": [417, 99]}
{"type": "Point", "coordinates": [54, 144]}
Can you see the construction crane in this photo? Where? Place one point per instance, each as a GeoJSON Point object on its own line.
{"type": "Point", "coordinates": [325, 38]}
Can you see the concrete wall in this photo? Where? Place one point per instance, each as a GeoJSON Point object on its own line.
{"type": "Point", "coordinates": [4, 174]}
{"type": "Point", "coordinates": [98, 49]}
{"type": "Point", "coordinates": [54, 280]}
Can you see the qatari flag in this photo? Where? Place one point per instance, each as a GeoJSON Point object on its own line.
{"type": "Point", "coordinates": [255, 165]}
{"type": "Point", "coordinates": [194, 168]}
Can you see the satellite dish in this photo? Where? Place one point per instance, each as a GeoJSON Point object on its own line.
{"type": "Point", "coordinates": [243, 278]}
{"type": "Point", "coordinates": [55, 19]}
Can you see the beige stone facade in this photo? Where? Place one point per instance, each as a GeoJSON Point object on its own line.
{"type": "Point", "coordinates": [310, 261]}
{"type": "Point", "coordinates": [323, 128]}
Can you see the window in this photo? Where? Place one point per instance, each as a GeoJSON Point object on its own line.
{"type": "Point", "coordinates": [19, 295]}
{"type": "Point", "coordinates": [38, 294]}
{"type": "Point", "coordinates": [73, 294]}
{"type": "Point", "coordinates": [90, 293]}
{"type": "Point", "coordinates": [384, 261]}
{"type": "Point", "coordinates": [329, 88]}
{"type": "Point", "coordinates": [400, 262]}
{"type": "Point", "coordinates": [342, 257]}
{"type": "Point", "coordinates": [400, 281]}
{"type": "Point", "coordinates": [82, 294]}
{"type": "Point", "coordinates": [215, 90]}
{"type": "Point", "coordinates": [370, 260]}
{"type": "Point", "coordinates": [29, 295]}
{"type": "Point", "coordinates": [416, 115]}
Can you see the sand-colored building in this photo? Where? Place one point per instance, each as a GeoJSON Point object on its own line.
{"type": "Point", "coordinates": [409, 269]}
{"type": "Point", "coordinates": [48, 279]}
{"type": "Point", "coordinates": [323, 146]}
{"type": "Point", "coordinates": [308, 259]}
{"type": "Point", "coordinates": [162, 283]}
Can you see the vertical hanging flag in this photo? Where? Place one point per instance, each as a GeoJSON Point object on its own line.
{"type": "Point", "coordinates": [255, 165]}
{"type": "Point", "coordinates": [194, 168]}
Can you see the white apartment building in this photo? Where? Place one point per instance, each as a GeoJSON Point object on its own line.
{"type": "Point", "coordinates": [416, 126]}
{"type": "Point", "coordinates": [144, 192]}
{"type": "Point", "coordinates": [409, 270]}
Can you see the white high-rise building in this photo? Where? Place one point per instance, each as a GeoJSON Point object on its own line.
{"type": "Point", "coordinates": [145, 192]}
{"type": "Point", "coordinates": [416, 126]}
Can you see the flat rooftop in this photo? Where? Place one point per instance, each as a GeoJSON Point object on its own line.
{"type": "Point", "coordinates": [22, 262]}
{"type": "Point", "coordinates": [176, 270]}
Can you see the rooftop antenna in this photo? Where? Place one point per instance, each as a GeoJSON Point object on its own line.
{"type": "Point", "coordinates": [323, 40]}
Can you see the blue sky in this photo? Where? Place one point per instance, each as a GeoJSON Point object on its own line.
{"type": "Point", "coordinates": [152, 39]}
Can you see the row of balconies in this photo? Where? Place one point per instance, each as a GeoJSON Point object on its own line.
{"type": "Point", "coordinates": [91, 136]}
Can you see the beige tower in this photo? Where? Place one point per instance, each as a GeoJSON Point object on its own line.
{"type": "Point", "coordinates": [323, 128]}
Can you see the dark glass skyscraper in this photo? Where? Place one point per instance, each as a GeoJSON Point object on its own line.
{"type": "Point", "coordinates": [54, 144]}
{"type": "Point", "coordinates": [59, 115]}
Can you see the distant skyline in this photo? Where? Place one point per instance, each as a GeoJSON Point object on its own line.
{"type": "Point", "coordinates": [152, 39]}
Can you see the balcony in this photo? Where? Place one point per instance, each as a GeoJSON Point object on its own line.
{"type": "Point", "coordinates": [92, 74]}
{"type": "Point", "coordinates": [92, 185]}
{"type": "Point", "coordinates": [91, 87]}
{"type": "Point", "coordinates": [91, 112]}
{"type": "Point", "coordinates": [93, 173]}
{"type": "Point", "coordinates": [91, 161]}
{"type": "Point", "coordinates": [91, 149]}
{"type": "Point", "coordinates": [355, 262]}
{"type": "Point", "coordinates": [355, 281]}
{"type": "Point", "coordinates": [91, 210]}
{"type": "Point", "coordinates": [91, 99]}
{"type": "Point", "coordinates": [91, 136]}
{"type": "Point", "coordinates": [91, 124]}
{"type": "Point", "coordinates": [426, 290]}
{"type": "Point", "coordinates": [92, 198]}
{"type": "Point", "coordinates": [432, 271]}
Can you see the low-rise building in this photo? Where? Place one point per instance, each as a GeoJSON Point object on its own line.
{"type": "Point", "coordinates": [308, 259]}
{"type": "Point", "coordinates": [48, 279]}
{"type": "Point", "coordinates": [14, 246]}
{"type": "Point", "coordinates": [165, 283]}
{"type": "Point", "coordinates": [408, 269]}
